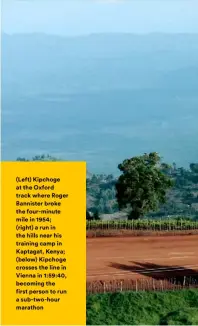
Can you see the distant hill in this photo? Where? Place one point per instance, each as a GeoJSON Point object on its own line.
{"type": "Point", "coordinates": [100, 98]}
{"type": "Point", "coordinates": [44, 63]}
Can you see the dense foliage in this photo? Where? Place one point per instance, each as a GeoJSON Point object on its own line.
{"type": "Point", "coordinates": [181, 200]}
{"type": "Point", "coordinates": [142, 185]}
{"type": "Point", "coordinates": [143, 308]}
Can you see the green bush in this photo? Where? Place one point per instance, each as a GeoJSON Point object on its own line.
{"type": "Point", "coordinates": [143, 308]}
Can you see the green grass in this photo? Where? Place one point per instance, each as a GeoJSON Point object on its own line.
{"type": "Point", "coordinates": [143, 308]}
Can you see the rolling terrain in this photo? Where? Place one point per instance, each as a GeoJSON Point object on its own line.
{"type": "Point", "coordinates": [100, 98]}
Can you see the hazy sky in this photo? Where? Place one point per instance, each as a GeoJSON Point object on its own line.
{"type": "Point", "coordinates": [74, 17]}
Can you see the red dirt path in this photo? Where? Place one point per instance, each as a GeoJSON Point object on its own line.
{"type": "Point", "coordinates": [140, 257]}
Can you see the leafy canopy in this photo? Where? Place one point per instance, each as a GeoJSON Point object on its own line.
{"type": "Point", "coordinates": [142, 184]}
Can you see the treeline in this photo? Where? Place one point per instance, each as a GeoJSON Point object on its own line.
{"type": "Point", "coordinates": [176, 195]}
{"type": "Point", "coordinates": [181, 199]}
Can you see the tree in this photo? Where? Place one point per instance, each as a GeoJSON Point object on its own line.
{"type": "Point", "coordinates": [188, 198]}
{"type": "Point", "coordinates": [88, 216]}
{"type": "Point", "coordinates": [142, 185]}
{"type": "Point", "coordinates": [194, 167]}
{"type": "Point", "coordinates": [38, 158]}
{"type": "Point", "coordinates": [96, 215]}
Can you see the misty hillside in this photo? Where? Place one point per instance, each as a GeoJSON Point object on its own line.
{"type": "Point", "coordinates": [100, 98]}
{"type": "Point", "coordinates": [97, 62]}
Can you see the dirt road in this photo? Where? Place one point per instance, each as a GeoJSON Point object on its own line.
{"type": "Point", "coordinates": [139, 257]}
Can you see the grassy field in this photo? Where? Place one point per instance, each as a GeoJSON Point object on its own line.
{"type": "Point", "coordinates": [143, 308]}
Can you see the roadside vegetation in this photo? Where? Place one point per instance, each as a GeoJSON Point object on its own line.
{"type": "Point", "coordinates": [145, 224]}
{"type": "Point", "coordinates": [143, 308]}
